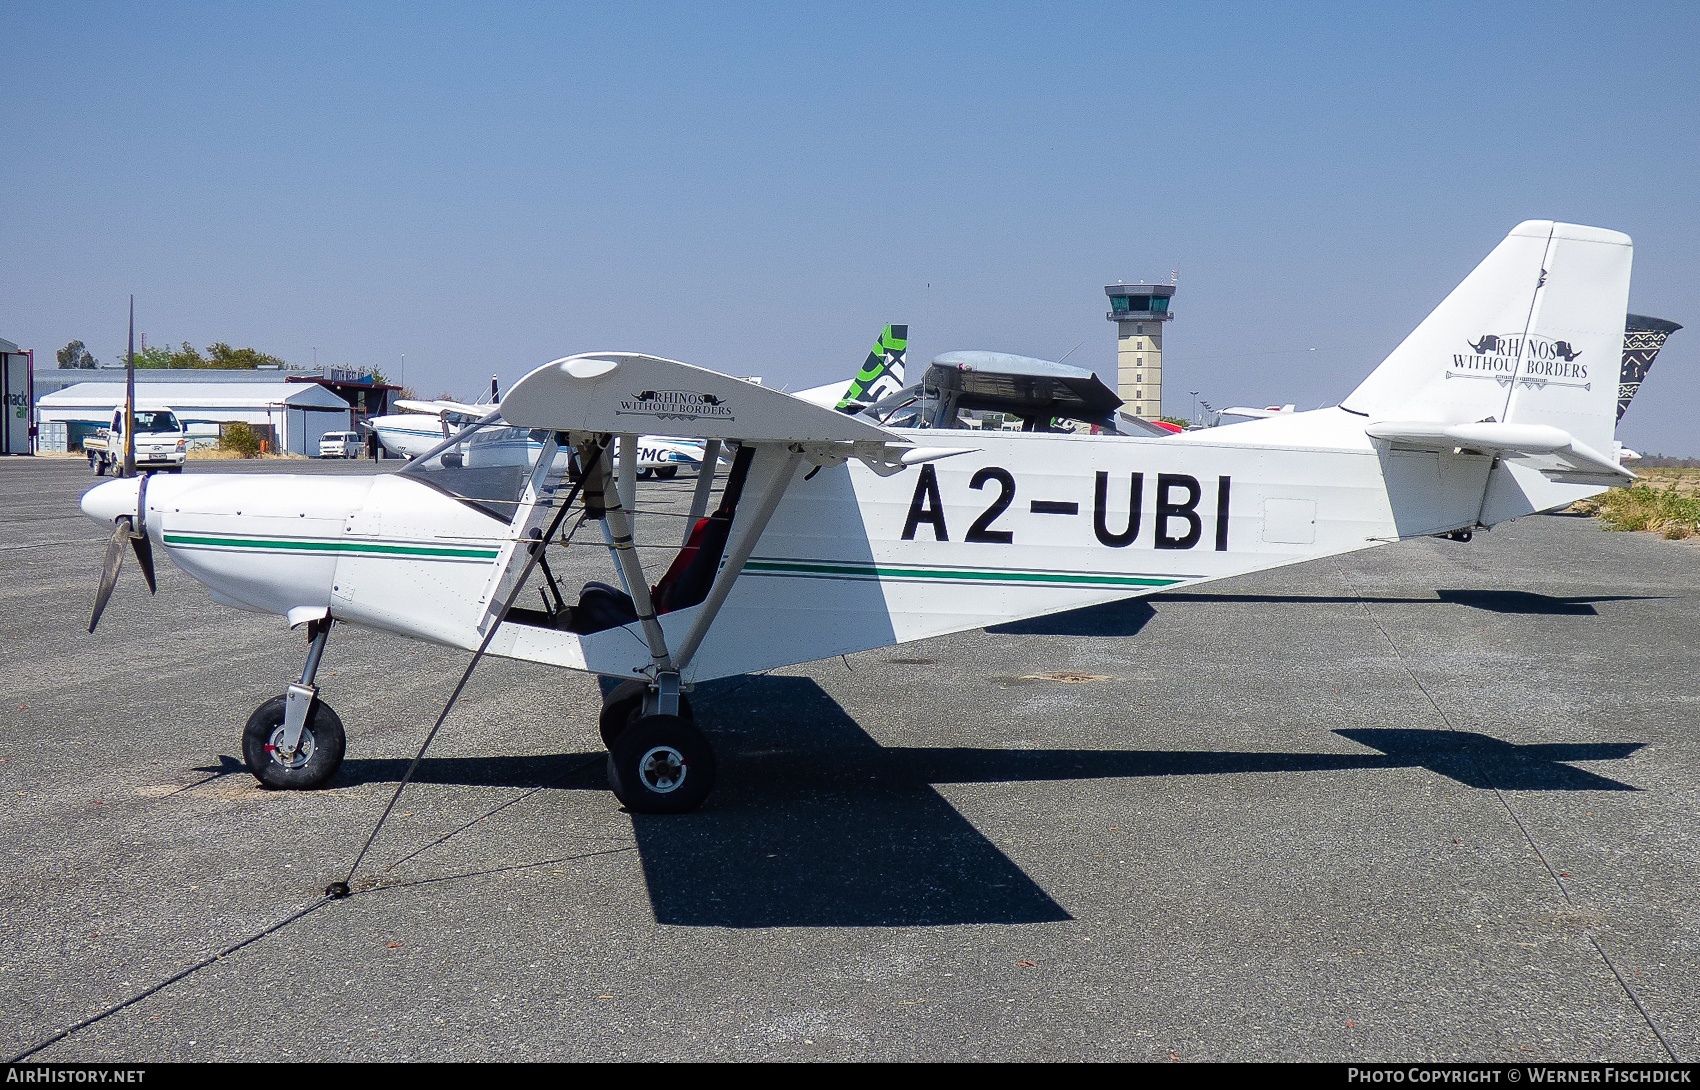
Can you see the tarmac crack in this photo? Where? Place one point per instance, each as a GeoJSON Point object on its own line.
{"type": "Point", "coordinates": [1528, 837]}
{"type": "Point", "coordinates": [250, 939]}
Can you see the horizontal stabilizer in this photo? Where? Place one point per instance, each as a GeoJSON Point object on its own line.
{"type": "Point", "coordinates": [1552, 450]}
{"type": "Point", "coordinates": [623, 393]}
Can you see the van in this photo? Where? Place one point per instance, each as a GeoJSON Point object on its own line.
{"type": "Point", "coordinates": [339, 444]}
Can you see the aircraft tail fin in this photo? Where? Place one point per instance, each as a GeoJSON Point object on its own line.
{"type": "Point", "coordinates": [1533, 336]}
{"type": "Point", "coordinates": [1643, 337]}
{"type": "Point", "coordinates": [881, 374]}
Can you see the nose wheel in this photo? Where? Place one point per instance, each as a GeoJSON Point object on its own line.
{"type": "Point", "coordinates": [295, 742]}
{"type": "Point", "coordinates": [310, 763]}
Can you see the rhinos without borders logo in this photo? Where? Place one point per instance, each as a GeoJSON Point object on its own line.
{"type": "Point", "coordinates": [674, 405]}
{"type": "Point", "coordinates": [1541, 360]}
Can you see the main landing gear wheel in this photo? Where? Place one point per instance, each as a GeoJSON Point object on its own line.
{"type": "Point", "coordinates": [625, 704]}
{"type": "Point", "coordinates": [316, 759]}
{"type": "Point", "coordinates": [661, 764]}
{"type": "Point", "coordinates": [666, 473]}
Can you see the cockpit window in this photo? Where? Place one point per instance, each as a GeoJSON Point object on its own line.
{"type": "Point", "coordinates": [904, 409]}
{"type": "Point", "coordinates": [486, 465]}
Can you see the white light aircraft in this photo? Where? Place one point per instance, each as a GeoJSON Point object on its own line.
{"type": "Point", "coordinates": [837, 533]}
{"type": "Point", "coordinates": [425, 424]}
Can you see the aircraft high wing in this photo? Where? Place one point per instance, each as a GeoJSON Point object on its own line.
{"type": "Point", "coordinates": [838, 532]}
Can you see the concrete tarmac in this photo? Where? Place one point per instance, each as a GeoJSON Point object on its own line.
{"type": "Point", "coordinates": [1428, 802]}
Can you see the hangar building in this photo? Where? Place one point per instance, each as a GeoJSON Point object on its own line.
{"type": "Point", "coordinates": [288, 416]}
{"type": "Point", "coordinates": [17, 385]}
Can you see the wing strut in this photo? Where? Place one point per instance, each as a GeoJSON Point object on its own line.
{"type": "Point", "coordinates": [705, 484]}
{"type": "Point", "coordinates": [621, 529]}
{"type": "Point", "coordinates": [748, 531]}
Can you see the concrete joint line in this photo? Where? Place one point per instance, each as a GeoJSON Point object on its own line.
{"type": "Point", "coordinates": [1528, 838]}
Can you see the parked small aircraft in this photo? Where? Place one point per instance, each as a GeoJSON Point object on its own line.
{"type": "Point", "coordinates": [422, 425]}
{"type": "Point", "coordinates": [840, 531]}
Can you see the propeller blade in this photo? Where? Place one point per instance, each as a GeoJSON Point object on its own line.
{"type": "Point", "coordinates": [109, 570]}
{"type": "Point", "coordinates": [144, 557]}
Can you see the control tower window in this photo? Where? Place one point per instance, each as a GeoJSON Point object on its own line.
{"type": "Point", "coordinates": [1159, 304]}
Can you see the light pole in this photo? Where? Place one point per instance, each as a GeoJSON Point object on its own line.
{"type": "Point", "coordinates": [1194, 406]}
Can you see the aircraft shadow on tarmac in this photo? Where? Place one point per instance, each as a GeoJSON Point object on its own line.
{"type": "Point", "coordinates": [1126, 618]}
{"type": "Point", "coordinates": [815, 824]}
{"type": "Point", "coordinates": [1493, 601]}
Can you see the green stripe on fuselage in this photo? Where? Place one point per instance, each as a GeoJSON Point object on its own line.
{"type": "Point", "coordinates": [303, 545]}
{"type": "Point", "coordinates": [828, 570]}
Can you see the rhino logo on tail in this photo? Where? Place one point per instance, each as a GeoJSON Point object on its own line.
{"type": "Point", "coordinates": [1563, 350]}
{"type": "Point", "coordinates": [1488, 345]}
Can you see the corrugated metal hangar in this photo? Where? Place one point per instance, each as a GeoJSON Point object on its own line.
{"type": "Point", "coordinates": [290, 416]}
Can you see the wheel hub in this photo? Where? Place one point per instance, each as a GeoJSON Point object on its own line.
{"type": "Point", "coordinates": [662, 769]}
{"type": "Point", "coordinates": [303, 752]}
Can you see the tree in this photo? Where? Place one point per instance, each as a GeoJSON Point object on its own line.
{"type": "Point", "coordinates": [76, 354]}
{"type": "Point", "coordinates": [239, 439]}
{"type": "Point", "coordinates": [219, 355]}
{"type": "Point", "coordinates": [222, 355]}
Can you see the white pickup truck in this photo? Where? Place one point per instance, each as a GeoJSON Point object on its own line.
{"type": "Point", "coordinates": [161, 443]}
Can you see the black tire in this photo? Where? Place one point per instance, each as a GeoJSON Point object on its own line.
{"type": "Point", "coordinates": [644, 474]}
{"type": "Point", "coordinates": [661, 764]}
{"type": "Point", "coordinates": [322, 743]}
{"type": "Point", "coordinates": [624, 704]}
{"type": "Point", "coordinates": [667, 473]}
{"type": "Point", "coordinates": [98, 465]}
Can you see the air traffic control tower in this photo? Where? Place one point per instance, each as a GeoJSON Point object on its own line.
{"type": "Point", "coordinates": [1139, 311]}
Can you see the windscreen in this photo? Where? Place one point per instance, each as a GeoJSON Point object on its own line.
{"type": "Point", "coordinates": [907, 408]}
{"type": "Point", "coordinates": [155, 421]}
{"type": "Point", "coordinates": [485, 465]}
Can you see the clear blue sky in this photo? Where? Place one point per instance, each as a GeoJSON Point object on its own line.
{"type": "Point", "coordinates": [757, 188]}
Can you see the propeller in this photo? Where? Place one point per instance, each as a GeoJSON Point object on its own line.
{"type": "Point", "coordinates": [131, 529]}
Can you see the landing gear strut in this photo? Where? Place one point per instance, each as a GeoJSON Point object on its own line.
{"type": "Point", "coordinates": [295, 741]}
{"type": "Point", "coordinates": [624, 705]}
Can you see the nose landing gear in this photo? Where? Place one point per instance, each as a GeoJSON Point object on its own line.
{"type": "Point", "coordinates": [295, 741]}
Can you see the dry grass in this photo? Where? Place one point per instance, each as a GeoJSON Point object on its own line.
{"type": "Point", "coordinates": [1664, 501]}
{"type": "Point", "coordinates": [214, 454]}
